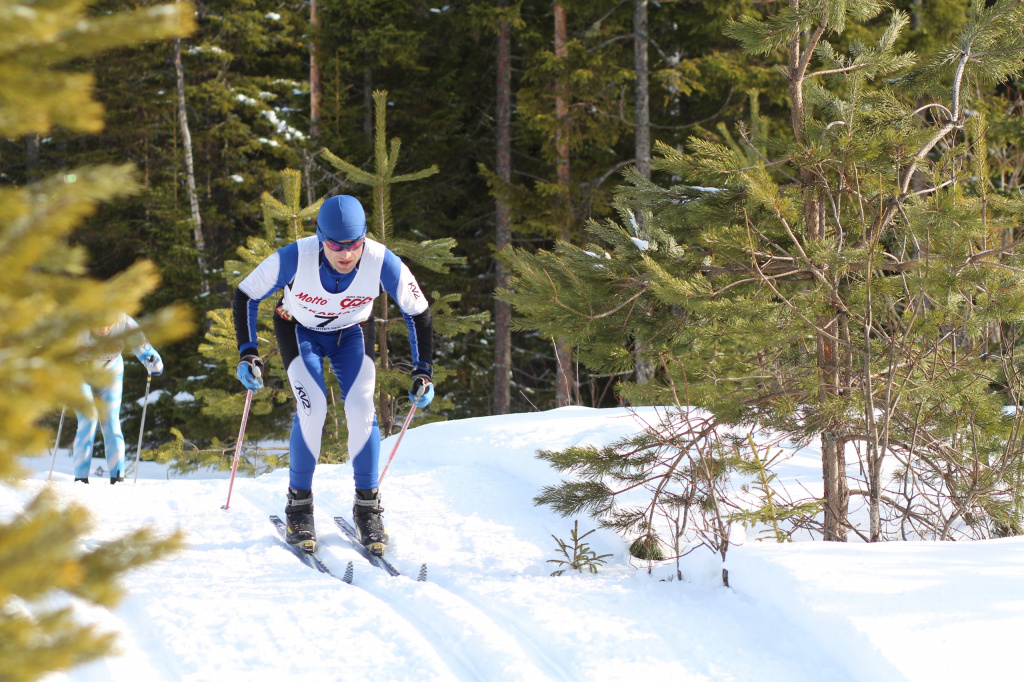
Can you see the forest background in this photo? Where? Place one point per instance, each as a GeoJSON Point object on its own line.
{"type": "Point", "coordinates": [824, 245]}
{"type": "Point", "coordinates": [268, 85]}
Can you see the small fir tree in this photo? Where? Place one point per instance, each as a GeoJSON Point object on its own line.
{"type": "Point", "coordinates": [273, 406]}
{"type": "Point", "coordinates": [433, 254]}
{"type": "Point", "coordinates": [772, 509]}
{"type": "Point", "coordinates": [665, 487]}
{"type": "Point", "coordinates": [578, 555]}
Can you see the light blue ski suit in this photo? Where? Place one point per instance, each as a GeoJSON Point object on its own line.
{"type": "Point", "coordinates": [104, 398]}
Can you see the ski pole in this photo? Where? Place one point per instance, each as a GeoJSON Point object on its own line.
{"type": "Point", "coordinates": [408, 419]}
{"type": "Point", "coordinates": [56, 443]}
{"type": "Point", "coordinates": [142, 427]}
{"type": "Point", "coordinates": [238, 446]}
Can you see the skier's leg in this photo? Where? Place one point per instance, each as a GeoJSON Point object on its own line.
{"type": "Point", "coordinates": [108, 400]}
{"type": "Point", "coordinates": [356, 378]}
{"type": "Point", "coordinates": [85, 436]}
{"type": "Point", "coordinates": [303, 361]}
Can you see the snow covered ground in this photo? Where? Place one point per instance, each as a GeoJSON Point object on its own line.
{"type": "Point", "coordinates": [237, 605]}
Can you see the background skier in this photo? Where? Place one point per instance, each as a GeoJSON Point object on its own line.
{"type": "Point", "coordinates": [105, 346]}
{"type": "Point", "coordinates": [330, 282]}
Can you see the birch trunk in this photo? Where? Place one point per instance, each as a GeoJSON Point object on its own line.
{"type": "Point", "coordinates": [190, 174]}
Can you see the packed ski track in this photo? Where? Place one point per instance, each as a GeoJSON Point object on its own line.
{"type": "Point", "coordinates": [432, 612]}
{"type": "Point", "coordinates": [237, 604]}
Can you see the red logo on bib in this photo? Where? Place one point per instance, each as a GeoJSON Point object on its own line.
{"type": "Point", "coordinates": [315, 300]}
{"type": "Point", "coordinates": [354, 302]}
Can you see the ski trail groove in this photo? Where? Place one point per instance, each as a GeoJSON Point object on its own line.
{"type": "Point", "coordinates": [460, 626]}
{"type": "Point", "coordinates": [464, 637]}
{"type": "Point", "coordinates": [457, 668]}
{"type": "Point", "coordinates": [522, 632]}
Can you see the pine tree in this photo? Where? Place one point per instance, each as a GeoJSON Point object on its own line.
{"type": "Point", "coordinates": [433, 254]}
{"type": "Point", "coordinates": [48, 302]}
{"type": "Point", "coordinates": [847, 280]}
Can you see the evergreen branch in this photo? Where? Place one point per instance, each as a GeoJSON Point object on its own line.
{"type": "Point", "coordinates": [608, 313]}
{"type": "Point", "coordinates": [355, 173]}
{"type": "Point", "coordinates": [418, 175]}
{"type": "Point", "coordinates": [767, 162]}
{"type": "Point", "coordinates": [789, 304]}
{"type": "Point", "coordinates": [844, 69]}
{"type": "Point", "coordinates": [936, 105]}
{"type": "Point", "coordinates": [808, 49]}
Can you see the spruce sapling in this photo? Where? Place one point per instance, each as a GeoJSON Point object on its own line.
{"type": "Point", "coordinates": [579, 554]}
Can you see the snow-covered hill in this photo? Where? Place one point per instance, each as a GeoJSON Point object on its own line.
{"type": "Point", "coordinates": [237, 605]}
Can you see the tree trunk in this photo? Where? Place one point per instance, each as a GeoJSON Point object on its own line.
{"type": "Point", "coordinates": [644, 370]}
{"type": "Point", "coordinates": [837, 492]}
{"type": "Point", "coordinates": [833, 455]}
{"type": "Point", "coordinates": [186, 142]}
{"type": "Point", "coordinates": [368, 102]}
{"type": "Point", "coordinates": [874, 498]}
{"type": "Point", "coordinates": [563, 352]}
{"type": "Point", "coordinates": [876, 445]}
{"type": "Point", "coordinates": [32, 154]}
{"type": "Point", "coordinates": [316, 96]}
{"type": "Point", "coordinates": [643, 112]}
{"type": "Point", "coordinates": [503, 232]}
{"type": "Point", "coordinates": [315, 84]}
{"type": "Point", "coordinates": [385, 416]}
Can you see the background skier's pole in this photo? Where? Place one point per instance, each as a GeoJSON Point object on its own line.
{"type": "Point", "coordinates": [412, 411]}
{"type": "Point", "coordinates": [56, 443]}
{"type": "Point", "coordinates": [142, 427]}
{"type": "Point", "coordinates": [238, 446]}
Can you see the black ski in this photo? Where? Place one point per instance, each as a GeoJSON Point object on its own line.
{"type": "Point", "coordinates": [309, 558]}
{"type": "Point", "coordinates": [378, 561]}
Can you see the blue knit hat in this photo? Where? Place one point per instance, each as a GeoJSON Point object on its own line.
{"type": "Point", "coordinates": [341, 219]}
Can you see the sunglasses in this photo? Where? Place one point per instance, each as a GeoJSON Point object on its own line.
{"type": "Point", "coordinates": [344, 246]}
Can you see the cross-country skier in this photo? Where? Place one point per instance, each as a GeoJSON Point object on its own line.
{"type": "Point", "coordinates": [330, 282]}
{"type": "Point", "coordinates": [104, 347]}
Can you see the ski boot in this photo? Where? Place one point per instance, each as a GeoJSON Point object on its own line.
{"type": "Point", "coordinates": [369, 524]}
{"type": "Point", "coordinates": [116, 479]}
{"type": "Point", "coordinates": [299, 513]}
{"type": "Point", "coordinates": [82, 480]}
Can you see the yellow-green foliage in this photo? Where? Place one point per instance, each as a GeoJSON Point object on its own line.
{"type": "Point", "coordinates": [47, 301]}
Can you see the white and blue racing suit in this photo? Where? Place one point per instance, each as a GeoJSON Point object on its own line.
{"type": "Point", "coordinates": [321, 315]}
